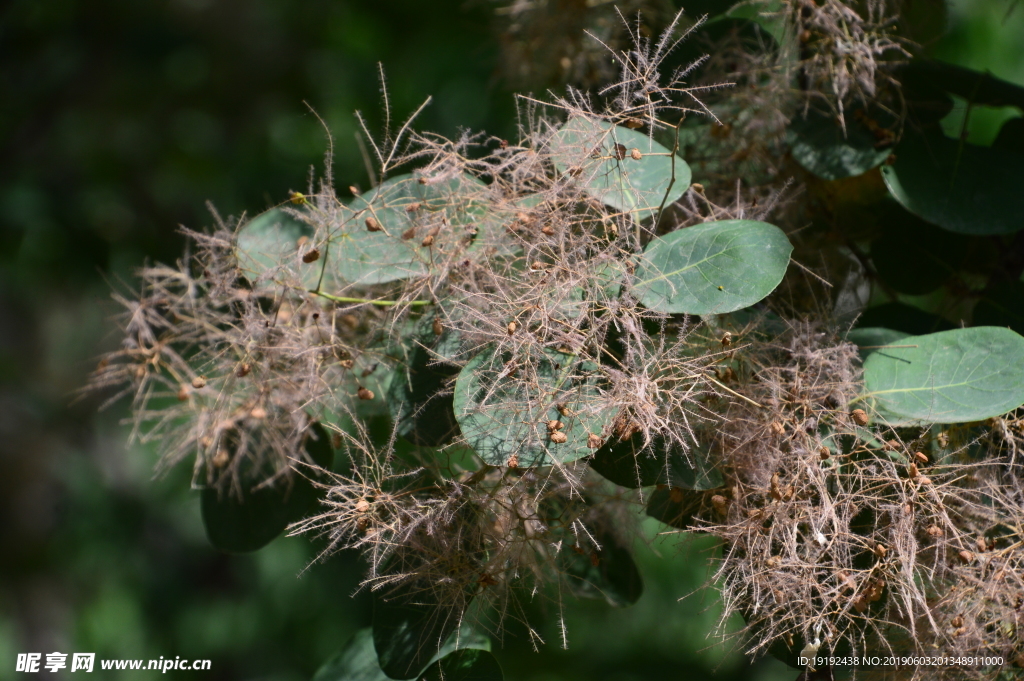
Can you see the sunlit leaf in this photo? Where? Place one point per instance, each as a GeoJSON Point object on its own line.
{"type": "Point", "coordinates": [712, 268]}
{"type": "Point", "coordinates": [599, 155]}
{"type": "Point", "coordinates": [503, 403]}
{"type": "Point", "coordinates": [952, 376]}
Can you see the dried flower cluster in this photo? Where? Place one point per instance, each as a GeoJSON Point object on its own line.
{"type": "Point", "coordinates": [838, 534]}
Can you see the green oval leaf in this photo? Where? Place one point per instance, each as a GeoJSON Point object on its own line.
{"type": "Point", "coordinates": [468, 664]}
{"type": "Point", "coordinates": [406, 211]}
{"type": "Point", "coordinates": [248, 523]}
{"type": "Point", "coordinates": [712, 268]}
{"type": "Point", "coordinates": [269, 242]}
{"type": "Point", "coordinates": [950, 377]}
{"type": "Point", "coordinates": [598, 155]}
{"type": "Point", "coordinates": [958, 186]}
{"type": "Point", "coordinates": [357, 661]}
{"type": "Point", "coordinates": [420, 397]}
{"type": "Point", "coordinates": [605, 571]}
{"type": "Point", "coordinates": [409, 629]}
{"type": "Point", "coordinates": [820, 146]}
{"type": "Point", "coordinates": [871, 338]}
{"type": "Point", "coordinates": [629, 463]}
{"type": "Point", "coordinates": [503, 405]}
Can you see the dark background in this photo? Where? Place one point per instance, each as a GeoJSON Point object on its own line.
{"type": "Point", "coordinates": [119, 119]}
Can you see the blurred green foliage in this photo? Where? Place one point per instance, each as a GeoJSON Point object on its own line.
{"type": "Point", "coordinates": [118, 120]}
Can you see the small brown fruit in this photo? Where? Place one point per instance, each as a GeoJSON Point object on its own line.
{"type": "Point", "coordinates": [221, 458]}
{"type": "Point", "coordinates": [558, 437]}
{"type": "Point", "coordinates": [364, 393]}
{"type": "Point", "coordinates": [777, 428]}
{"type": "Point", "coordinates": [547, 230]}
{"type": "Point", "coordinates": [512, 326]}
{"type": "Point", "coordinates": [409, 233]}
{"type": "Point", "coordinates": [635, 154]}
{"type": "Point", "coordinates": [880, 550]}
{"type": "Point", "coordinates": [243, 370]}
{"type": "Point", "coordinates": [312, 255]}
{"type": "Point", "coordinates": [912, 471]}
{"type": "Point", "coordinates": [957, 622]}
{"type": "Point", "coordinates": [183, 393]}
{"type": "Point", "coordinates": [513, 461]}
{"type": "Point", "coordinates": [372, 225]}
{"type": "Point", "coordinates": [966, 556]}
{"type": "Point", "coordinates": [199, 382]}
{"type": "Point", "coordinates": [860, 417]}
{"type": "Point", "coordinates": [620, 151]}
{"type": "Point", "coordinates": [362, 506]}
{"type": "Point", "coordinates": [258, 413]}
{"type": "Point", "coordinates": [921, 457]}
{"type": "Point", "coordinates": [823, 452]}
{"type": "Point", "coordinates": [594, 441]}
{"type": "Point", "coordinates": [935, 531]}
{"type": "Point", "coordinates": [436, 327]}
{"type": "Point", "coordinates": [720, 503]}
{"type": "Point", "coordinates": [413, 207]}
{"type": "Point", "coordinates": [428, 241]}
{"type": "Point", "coordinates": [554, 425]}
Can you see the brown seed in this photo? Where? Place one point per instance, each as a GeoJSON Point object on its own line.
{"type": "Point", "coordinates": [364, 393]}
{"type": "Point", "coordinates": [635, 154]}
{"type": "Point", "coordinates": [921, 457]}
{"type": "Point", "coordinates": [890, 445]}
{"type": "Point", "coordinates": [697, 187]}
{"type": "Point", "coordinates": [199, 382]}
{"type": "Point", "coordinates": [428, 241]}
{"type": "Point", "coordinates": [935, 531]}
{"type": "Point", "coordinates": [777, 428]}
{"type": "Point", "coordinates": [409, 233]}
{"type": "Point", "coordinates": [776, 491]}
{"type": "Point", "coordinates": [823, 452]}
{"type": "Point", "coordinates": [720, 503]}
{"type": "Point", "coordinates": [547, 230]}
{"type": "Point", "coordinates": [773, 561]}
{"type": "Point", "coordinates": [555, 424]}
{"type": "Point", "coordinates": [957, 622]}
{"type": "Point", "coordinates": [880, 550]}
{"type": "Point", "coordinates": [982, 544]}
{"type": "Point", "coordinates": [860, 417]}
{"type": "Point", "coordinates": [311, 255]}
{"type": "Point", "coordinates": [413, 207]}
{"type": "Point", "coordinates": [924, 480]}
{"type": "Point", "coordinates": [620, 151]}
{"type": "Point", "coordinates": [558, 437]}
{"type": "Point", "coordinates": [221, 458]}
{"type": "Point", "coordinates": [513, 461]}
{"type": "Point", "coordinates": [301, 241]}
{"type": "Point", "coordinates": [537, 265]}
{"type": "Point", "coordinates": [354, 189]}
{"type": "Point", "coordinates": [966, 556]}
{"type": "Point", "coordinates": [362, 506]}
{"type": "Point", "coordinates": [436, 327]}
{"type": "Point", "coordinates": [912, 471]}
{"type": "Point", "coordinates": [258, 413]}
{"type": "Point", "coordinates": [511, 328]}
{"type": "Point", "coordinates": [243, 370]}
{"type": "Point", "coordinates": [634, 123]}
{"type": "Point", "coordinates": [594, 441]}
{"type": "Point", "coordinates": [182, 394]}
{"type": "Point", "coordinates": [372, 225]}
